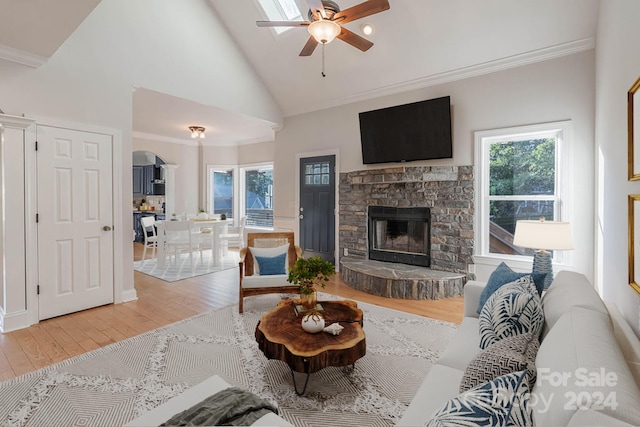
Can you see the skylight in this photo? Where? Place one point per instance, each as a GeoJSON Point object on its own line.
{"type": "Point", "coordinates": [281, 10]}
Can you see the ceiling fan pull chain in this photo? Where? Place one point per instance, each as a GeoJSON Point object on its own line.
{"type": "Point", "coordinates": [323, 74]}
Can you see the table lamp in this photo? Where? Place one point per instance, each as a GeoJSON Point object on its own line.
{"type": "Point", "coordinates": [543, 236]}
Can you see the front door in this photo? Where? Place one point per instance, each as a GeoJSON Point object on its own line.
{"type": "Point", "coordinates": [75, 220]}
{"type": "Point", "coordinates": [317, 207]}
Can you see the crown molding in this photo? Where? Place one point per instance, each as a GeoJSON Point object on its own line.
{"type": "Point", "coordinates": [462, 73]}
{"type": "Point", "coordinates": [17, 122]}
{"type": "Point", "coordinates": [21, 56]}
{"type": "Point", "coordinates": [162, 138]}
{"type": "Point", "coordinates": [257, 140]}
{"type": "Point", "coordinates": [200, 142]}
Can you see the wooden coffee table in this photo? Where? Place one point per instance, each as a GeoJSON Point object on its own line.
{"type": "Point", "coordinates": [281, 337]}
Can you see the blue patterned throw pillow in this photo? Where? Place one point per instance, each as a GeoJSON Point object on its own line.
{"type": "Point", "coordinates": [513, 309]}
{"type": "Point", "coordinates": [501, 402]}
{"type": "Point", "coordinates": [270, 266]}
{"type": "Point", "coordinates": [503, 275]}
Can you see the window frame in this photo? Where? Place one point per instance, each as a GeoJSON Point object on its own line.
{"type": "Point", "coordinates": [562, 131]}
{"type": "Point", "coordinates": [210, 199]}
{"type": "Point", "coordinates": [242, 200]}
{"type": "Point", "coordinates": [276, 12]}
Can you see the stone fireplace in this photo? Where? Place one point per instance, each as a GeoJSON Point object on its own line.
{"type": "Point", "coordinates": [447, 236]}
{"type": "Point", "coordinates": [400, 235]}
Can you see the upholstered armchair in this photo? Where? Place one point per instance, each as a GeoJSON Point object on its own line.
{"type": "Point", "coordinates": [265, 263]}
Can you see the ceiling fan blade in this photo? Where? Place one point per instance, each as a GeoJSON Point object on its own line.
{"type": "Point", "coordinates": [360, 11]}
{"type": "Point", "coordinates": [282, 23]}
{"type": "Point", "coordinates": [354, 40]}
{"type": "Point", "coordinates": [309, 47]}
{"type": "Point", "coordinates": [316, 8]}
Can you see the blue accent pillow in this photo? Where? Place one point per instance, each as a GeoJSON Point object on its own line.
{"type": "Point", "coordinates": [501, 402]}
{"type": "Point", "coordinates": [270, 266]}
{"type": "Point", "coordinates": [503, 275]}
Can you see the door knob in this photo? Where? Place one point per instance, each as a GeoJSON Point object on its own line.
{"type": "Point", "coordinates": [106, 228]}
{"type": "Point", "coordinates": [301, 216]}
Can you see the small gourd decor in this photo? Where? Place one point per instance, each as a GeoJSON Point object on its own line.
{"type": "Point", "coordinates": [312, 322]}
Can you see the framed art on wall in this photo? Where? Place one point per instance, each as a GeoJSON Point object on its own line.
{"type": "Point", "coordinates": [633, 124]}
{"type": "Point", "coordinates": [634, 242]}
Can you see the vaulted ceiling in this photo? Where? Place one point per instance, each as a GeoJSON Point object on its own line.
{"type": "Point", "coordinates": [417, 43]}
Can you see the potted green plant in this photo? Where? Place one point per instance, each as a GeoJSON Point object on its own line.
{"type": "Point", "coordinates": [203, 214]}
{"type": "Point", "coordinates": [308, 272]}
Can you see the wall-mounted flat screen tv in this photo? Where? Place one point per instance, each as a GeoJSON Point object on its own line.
{"type": "Point", "coordinates": [403, 133]}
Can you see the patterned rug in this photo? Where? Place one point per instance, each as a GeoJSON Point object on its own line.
{"type": "Point", "coordinates": [115, 384]}
{"type": "Point", "coordinates": [181, 268]}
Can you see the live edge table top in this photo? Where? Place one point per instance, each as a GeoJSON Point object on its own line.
{"type": "Point", "coordinates": [280, 336]}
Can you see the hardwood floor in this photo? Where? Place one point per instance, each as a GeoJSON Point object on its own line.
{"type": "Point", "coordinates": [160, 303]}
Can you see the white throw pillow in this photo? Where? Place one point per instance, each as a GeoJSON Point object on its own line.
{"type": "Point", "coordinates": [270, 253]}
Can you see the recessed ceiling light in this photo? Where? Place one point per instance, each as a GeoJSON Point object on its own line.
{"type": "Point", "coordinates": [367, 29]}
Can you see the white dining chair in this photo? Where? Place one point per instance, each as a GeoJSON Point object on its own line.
{"type": "Point", "coordinates": [179, 239]}
{"type": "Point", "coordinates": [150, 241]}
{"type": "Point", "coordinates": [234, 237]}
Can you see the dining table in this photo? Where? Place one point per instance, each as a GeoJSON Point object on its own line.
{"type": "Point", "coordinates": [217, 227]}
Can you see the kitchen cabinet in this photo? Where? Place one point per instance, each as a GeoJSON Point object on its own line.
{"type": "Point", "coordinates": [147, 181]}
{"type": "Point", "coordinates": [138, 181]}
{"type": "Point", "coordinates": [147, 176]}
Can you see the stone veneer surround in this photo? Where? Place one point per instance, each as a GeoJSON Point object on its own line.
{"type": "Point", "coordinates": [447, 190]}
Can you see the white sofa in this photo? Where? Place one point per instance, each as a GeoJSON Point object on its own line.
{"type": "Point", "coordinates": [583, 339]}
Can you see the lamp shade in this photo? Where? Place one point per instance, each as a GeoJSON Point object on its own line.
{"type": "Point", "coordinates": [324, 31]}
{"type": "Point", "coordinates": [552, 235]}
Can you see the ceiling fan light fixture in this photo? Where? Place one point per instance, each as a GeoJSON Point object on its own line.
{"type": "Point", "coordinates": [197, 132]}
{"type": "Point", "coordinates": [324, 31]}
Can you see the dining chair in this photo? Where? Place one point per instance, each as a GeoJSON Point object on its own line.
{"type": "Point", "coordinates": [150, 241]}
{"type": "Point", "coordinates": [179, 238]}
{"type": "Point", "coordinates": [234, 237]}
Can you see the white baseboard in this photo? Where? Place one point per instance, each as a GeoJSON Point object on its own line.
{"type": "Point", "coordinates": [13, 321]}
{"type": "Point", "coordinates": [129, 295]}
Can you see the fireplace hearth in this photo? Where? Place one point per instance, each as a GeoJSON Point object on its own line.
{"type": "Point", "coordinates": [400, 235]}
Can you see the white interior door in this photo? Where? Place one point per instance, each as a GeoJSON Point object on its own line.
{"type": "Point", "coordinates": [75, 220]}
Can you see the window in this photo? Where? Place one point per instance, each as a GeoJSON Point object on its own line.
{"type": "Point", "coordinates": [520, 177]}
{"type": "Point", "coordinates": [317, 174]}
{"type": "Point", "coordinates": [258, 195]}
{"type": "Point", "coordinates": [281, 10]}
{"type": "Point", "coordinates": [222, 191]}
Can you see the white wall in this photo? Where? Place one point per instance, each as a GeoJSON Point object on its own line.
{"type": "Point", "coordinates": [554, 90]}
{"type": "Point", "coordinates": [618, 67]}
{"type": "Point", "coordinates": [143, 43]}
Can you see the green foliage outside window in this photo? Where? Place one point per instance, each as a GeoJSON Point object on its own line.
{"type": "Point", "coordinates": [521, 168]}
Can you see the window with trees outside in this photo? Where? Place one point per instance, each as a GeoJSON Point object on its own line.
{"type": "Point", "coordinates": [258, 195]}
{"type": "Point", "coordinates": [222, 185]}
{"type": "Point", "coordinates": [520, 176]}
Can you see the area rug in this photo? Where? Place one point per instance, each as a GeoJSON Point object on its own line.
{"type": "Point", "coordinates": [181, 268]}
{"type": "Point", "coordinates": [115, 384]}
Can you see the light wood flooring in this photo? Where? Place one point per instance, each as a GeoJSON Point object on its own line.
{"type": "Point", "coordinates": [160, 303]}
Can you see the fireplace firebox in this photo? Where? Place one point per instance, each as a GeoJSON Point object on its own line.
{"type": "Point", "coordinates": [401, 235]}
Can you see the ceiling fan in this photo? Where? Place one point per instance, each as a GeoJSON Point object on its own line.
{"type": "Point", "coordinates": [325, 23]}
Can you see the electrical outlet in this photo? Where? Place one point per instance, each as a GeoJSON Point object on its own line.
{"type": "Point", "coordinates": [471, 269]}
{"type": "Point", "coordinates": [346, 251]}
